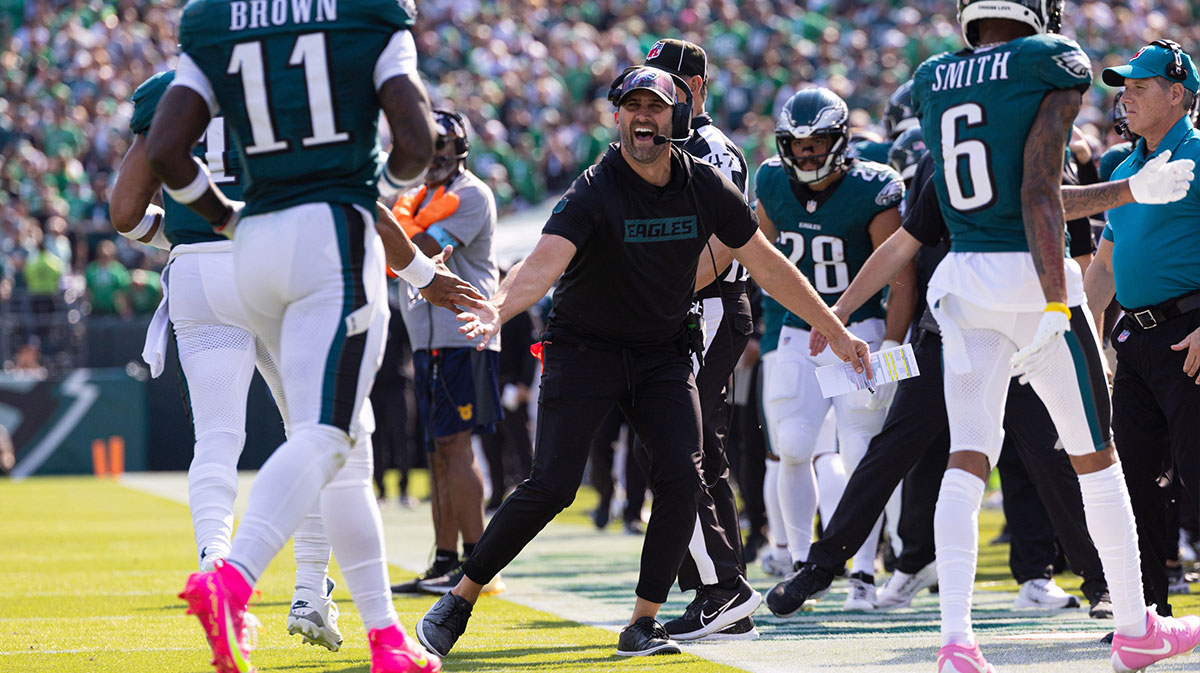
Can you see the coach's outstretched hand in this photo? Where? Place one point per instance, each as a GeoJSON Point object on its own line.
{"type": "Point", "coordinates": [853, 350]}
{"type": "Point", "coordinates": [448, 290]}
{"type": "Point", "coordinates": [483, 324]}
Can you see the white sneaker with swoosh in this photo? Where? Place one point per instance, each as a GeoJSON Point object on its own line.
{"type": "Point", "coordinates": [956, 658]}
{"type": "Point", "coordinates": [1165, 637]}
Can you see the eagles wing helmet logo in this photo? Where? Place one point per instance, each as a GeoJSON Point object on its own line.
{"type": "Point", "coordinates": [829, 116]}
{"type": "Point", "coordinates": [1075, 62]}
{"type": "Point", "coordinates": [655, 50]}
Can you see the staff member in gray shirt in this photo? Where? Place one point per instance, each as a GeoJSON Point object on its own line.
{"type": "Point", "coordinates": [456, 385]}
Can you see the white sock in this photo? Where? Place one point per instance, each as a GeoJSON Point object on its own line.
{"type": "Point", "coordinates": [956, 536]}
{"type": "Point", "coordinates": [798, 503]}
{"type": "Point", "coordinates": [1110, 523]}
{"type": "Point", "coordinates": [351, 513]}
{"type": "Point", "coordinates": [312, 553]}
{"type": "Point", "coordinates": [864, 558]}
{"type": "Point", "coordinates": [284, 492]}
{"type": "Point", "coordinates": [212, 487]}
{"type": "Point", "coordinates": [775, 529]}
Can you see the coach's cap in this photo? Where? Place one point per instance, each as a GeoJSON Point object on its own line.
{"type": "Point", "coordinates": [1155, 60]}
{"type": "Point", "coordinates": [679, 57]}
{"type": "Point", "coordinates": [654, 80]}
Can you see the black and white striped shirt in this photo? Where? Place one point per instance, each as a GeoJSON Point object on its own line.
{"type": "Point", "coordinates": [708, 143]}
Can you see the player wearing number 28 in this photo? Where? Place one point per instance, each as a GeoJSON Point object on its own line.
{"type": "Point", "coordinates": [827, 212]}
{"type": "Point", "coordinates": [996, 117]}
{"type": "Point", "coordinates": [301, 86]}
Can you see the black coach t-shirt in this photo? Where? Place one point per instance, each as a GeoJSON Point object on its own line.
{"type": "Point", "coordinates": [634, 271]}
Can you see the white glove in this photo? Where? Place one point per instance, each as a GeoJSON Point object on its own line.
{"type": "Point", "coordinates": [1162, 182]}
{"type": "Point", "coordinates": [884, 393]}
{"type": "Point", "coordinates": [1039, 354]}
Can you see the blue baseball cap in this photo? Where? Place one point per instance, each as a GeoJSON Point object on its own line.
{"type": "Point", "coordinates": [1155, 60]}
{"type": "Point", "coordinates": [657, 81]}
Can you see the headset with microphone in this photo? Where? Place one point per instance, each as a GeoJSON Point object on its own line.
{"type": "Point", "coordinates": [457, 127]}
{"type": "Point", "coordinates": [681, 113]}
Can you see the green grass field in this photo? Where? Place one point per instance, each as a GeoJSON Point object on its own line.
{"type": "Point", "coordinates": [91, 570]}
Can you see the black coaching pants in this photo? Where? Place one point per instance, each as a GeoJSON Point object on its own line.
{"type": "Point", "coordinates": [715, 551]}
{"type": "Point", "coordinates": [581, 384]}
{"type": "Point", "coordinates": [1156, 427]}
{"type": "Point", "coordinates": [917, 434]}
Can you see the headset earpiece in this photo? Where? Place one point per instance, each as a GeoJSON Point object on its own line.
{"type": "Point", "coordinates": [1175, 70]}
{"type": "Point", "coordinates": [458, 126]}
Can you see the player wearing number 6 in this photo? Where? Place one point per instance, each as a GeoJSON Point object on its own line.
{"type": "Point", "coordinates": [301, 86]}
{"type": "Point", "coordinates": [826, 212]}
{"type": "Point", "coordinates": [996, 118]}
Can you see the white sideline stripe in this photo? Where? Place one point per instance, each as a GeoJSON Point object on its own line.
{"type": "Point", "coordinates": [409, 538]}
{"type": "Point", "coordinates": [85, 395]}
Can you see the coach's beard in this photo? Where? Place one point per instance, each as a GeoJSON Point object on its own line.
{"type": "Point", "coordinates": [643, 150]}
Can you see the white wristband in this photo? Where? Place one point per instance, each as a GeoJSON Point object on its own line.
{"type": "Point", "coordinates": [143, 227]}
{"type": "Point", "coordinates": [389, 185]}
{"type": "Point", "coordinates": [151, 222]}
{"type": "Point", "coordinates": [194, 190]}
{"type": "Point", "coordinates": [419, 272]}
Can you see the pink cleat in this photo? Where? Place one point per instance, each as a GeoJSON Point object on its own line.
{"type": "Point", "coordinates": [1165, 637]}
{"type": "Point", "coordinates": [957, 658]}
{"type": "Point", "coordinates": [394, 652]}
{"type": "Point", "coordinates": [218, 599]}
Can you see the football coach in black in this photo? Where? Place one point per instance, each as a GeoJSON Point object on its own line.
{"type": "Point", "coordinates": [623, 244]}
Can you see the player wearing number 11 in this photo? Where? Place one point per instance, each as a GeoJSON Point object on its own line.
{"type": "Point", "coordinates": [996, 118]}
{"type": "Point", "coordinates": [301, 86]}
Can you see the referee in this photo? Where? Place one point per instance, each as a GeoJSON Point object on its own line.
{"type": "Point", "coordinates": [623, 244]}
{"type": "Point", "coordinates": [1150, 257]}
{"type": "Point", "coordinates": [714, 566]}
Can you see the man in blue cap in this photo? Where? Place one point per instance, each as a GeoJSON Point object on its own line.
{"type": "Point", "coordinates": [1150, 257]}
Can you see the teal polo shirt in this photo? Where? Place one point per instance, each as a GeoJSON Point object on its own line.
{"type": "Point", "coordinates": [1156, 248]}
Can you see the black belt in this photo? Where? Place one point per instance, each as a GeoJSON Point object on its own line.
{"type": "Point", "coordinates": [1149, 317]}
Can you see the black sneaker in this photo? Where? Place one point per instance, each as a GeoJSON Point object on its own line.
{"type": "Point", "coordinates": [443, 584]}
{"type": "Point", "coordinates": [435, 570]}
{"type": "Point", "coordinates": [600, 515]}
{"type": "Point", "coordinates": [645, 637]}
{"type": "Point", "coordinates": [742, 629]}
{"type": "Point", "coordinates": [442, 625]}
{"type": "Point", "coordinates": [1108, 638]}
{"type": "Point", "coordinates": [1101, 605]}
{"type": "Point", "coordinates": [809, 582]}
{"type": "Point", "coordinates": [714, 609]}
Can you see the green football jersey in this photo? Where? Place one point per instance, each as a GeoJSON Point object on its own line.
{"type": "Point", "coordinates": [1112, 158]}
{"type": "Point", "coordinates": [871, 151]}
{"type": "Point", "coordinates": [976, 108]}
{"type": "Point", "coordinates": [827, 237]}
{"type": "Point", "coordinates": [181, 224]}
{"type": "Point", "coordinates": [295, 83]}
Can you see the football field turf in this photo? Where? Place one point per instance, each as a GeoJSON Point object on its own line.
{"type": "Point", "coordinates": [91, 569]}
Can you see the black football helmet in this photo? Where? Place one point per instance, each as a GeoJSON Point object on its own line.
{"type": "Point", "coordinates": [899, 115]}
{"type": "Point", "coordinates": [907, 152]}
{"type": "Point", "coordinates": [812, 112]}
{"type": "Point", "coordinates": [1045, 16]}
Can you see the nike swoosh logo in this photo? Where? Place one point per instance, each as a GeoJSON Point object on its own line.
{"type": "Point", "coordinates": [982, 668]}
{"type": "Point", "coordinates": [231, 641]}
{"type": "Point", "coordinates": [1166, 647]}
{"type": "Point", "coordinates": [706, 618]}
